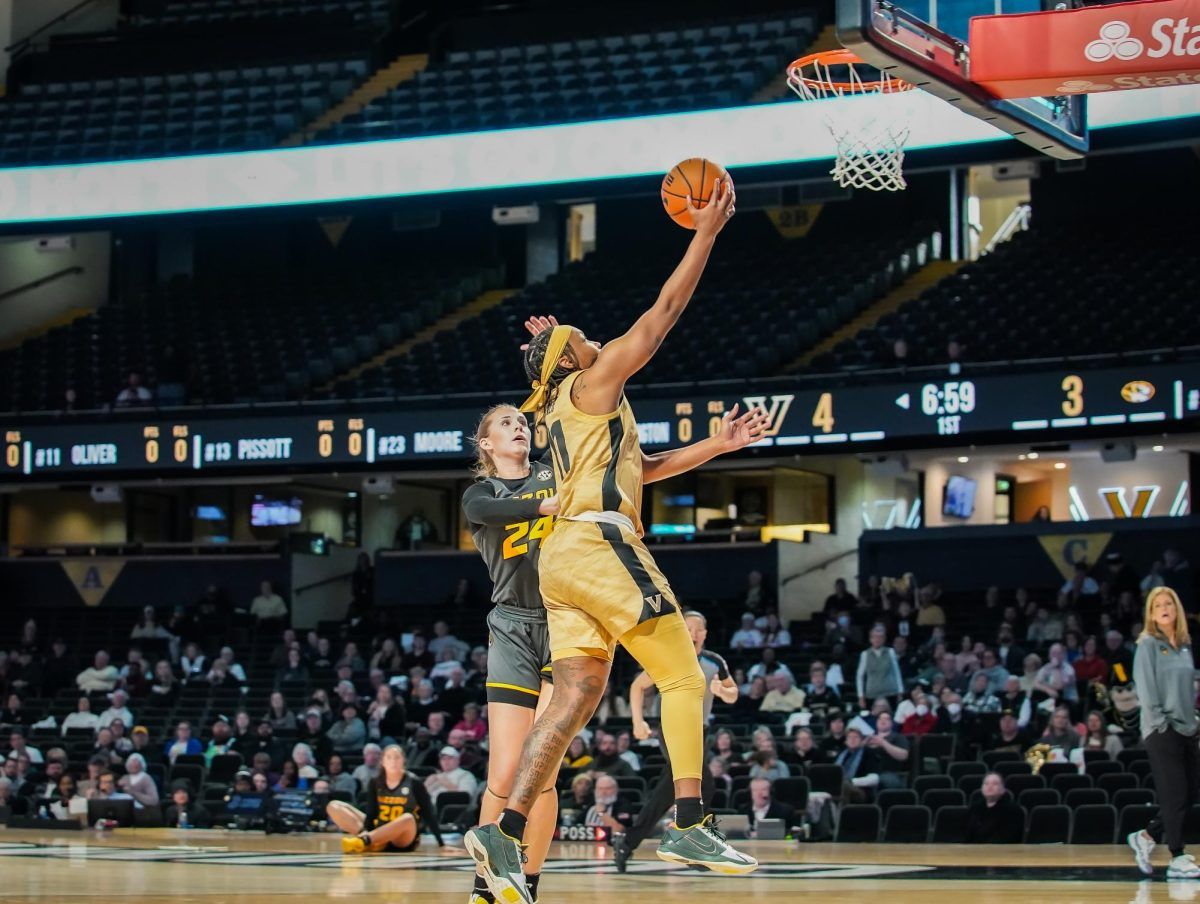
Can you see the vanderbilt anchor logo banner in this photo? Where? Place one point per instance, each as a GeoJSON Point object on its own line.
{"type": "Point", "coordinates": [1119, 507]}
{"type": "Point", "coordinates": [92, 577]}
{"type": "Point", "coordinates": [776, 411]}
{"type": "Point", "coordinates": [1065, 550]}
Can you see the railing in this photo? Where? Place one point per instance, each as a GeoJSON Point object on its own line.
{"type": "Point", "coordinates": [332, 579]}
{"type": "Point", "coordinates": [195, 548]}
{"type": "Point", "coordinates": [1016, 221]}
{"type": "Point", "coordinates": [820, 566]}
{"type": "Point", "coordinates": [21, 46]}
{"type": "Point", "coordinates": [40, 281]}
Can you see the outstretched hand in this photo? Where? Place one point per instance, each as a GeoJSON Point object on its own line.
{"type": "Point", "coordinates": [712, 217]}
{"type": "Point", "coordinates": [537, 325]}
{"type": "Point", "coordinates": [739, 432]}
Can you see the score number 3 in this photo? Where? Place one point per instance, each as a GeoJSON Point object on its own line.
{"type": "Point", "coordinates": [1072, 385]}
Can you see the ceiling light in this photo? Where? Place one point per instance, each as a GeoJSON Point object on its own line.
{"type": "Point", "coordinates": [963, 459]}
{"type": "Point", "coordinates": [1021, 457]}
{"type": "Point", "coordinates": [1033, 456]}
{"type": "Point", "coordinates": [1060, 465]}
{"type": "Point", "coordinates": [1158, 448]}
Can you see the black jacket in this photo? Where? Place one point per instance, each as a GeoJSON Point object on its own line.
{"type": "Point", "coordinates": [1003, 823]}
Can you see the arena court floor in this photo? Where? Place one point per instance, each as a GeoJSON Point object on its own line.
{"type": "Point", "coordinates": [153, 866]}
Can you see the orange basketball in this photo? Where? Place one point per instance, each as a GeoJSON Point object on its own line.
{"type": "Point", "coordinates": [694, 176]}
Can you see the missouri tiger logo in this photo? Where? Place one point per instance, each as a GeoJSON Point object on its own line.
{"type": "Point", "coordinates": [1137, 391]}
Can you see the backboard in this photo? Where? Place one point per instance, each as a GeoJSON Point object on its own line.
{"type": "Point", "coordinates": [926, 42]}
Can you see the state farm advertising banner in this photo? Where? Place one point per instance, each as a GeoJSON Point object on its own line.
{"type": "Point", "coordinates": [1084, 51]}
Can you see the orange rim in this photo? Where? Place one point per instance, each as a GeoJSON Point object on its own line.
{"type": "Point", "coordinates": [822, 60]}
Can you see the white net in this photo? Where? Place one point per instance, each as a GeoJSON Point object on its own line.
{"type": "Point", "coordinates": [869, 138]}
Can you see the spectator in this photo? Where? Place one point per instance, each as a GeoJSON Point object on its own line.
{"type": "Point", "coordinates": [608, 759]}
{"type": "Point", "coordinates": [930, 612]}
{"type": "Point", "coordinates": [287, 640]}
{"type": "Point", "coordinates": [304, 762]}
{"type": "Point", "coordinates": [954, 357]}
{"type": "Point", "coordinates": [1089, 667]}
{"type": "Point", "coordinates": [322, 658]}
{"type": "Point", "coordinates": [370, 766]}
{"type": "Point", "coordinates": [768, 665]}
{"type": "Point", "coordinates": [764, 806]}
{"type": "Point", "coordinates": [1016, 700]}
{"type": "Point", "coordinates": [725, 747]}
{"type": "Point", "coordinates": [243, 732]}
{"type": "Point", "coordinates": [134, 676]}
{"type": "Point", "coordinates": [340, 780]}
{"type": "Point", "coordinates": [59, 669]}
{"type": "Point", "coordinates": [1044, 629]}
{"type": "Point", "coordinates": [835, 734]}
{"type": "Point", "coordinates": [133, 393]}
{"type": "Point", "coordinates": [118, 710]}
{"type": "Point", "coordinates": [609, 808]}
{"type": "Point", "coordinates": [1119, 659]}
{"type": "Point", "coordinates": [966, 660]}
{"type": "Point", "coordinates": [192, 663]}
{"type": "Point", "coordinates": [922, 720]}
{"type": "Point", "coordinates": [349, 734]}
{"type": "Point", "coordinates": [67, 791]}
{"type": "Point", "coordinates": [747, 637]}
{"type": "Point", "coordinates": [859, 765]}
{"type": "Point", "coordinates": [719, 773]}
{"type": "Point", "coordinates": [774, 634]}
{"type": "Point", "coordinates": [1056, 679]}
{"type": "Point", "coordinates": [758, 599]}
{"type": "Point", "coordinates": [840, 600]}
{"type": "Point", "coordinates": [1031, 667]}
{"type": "Point", "coordinates": [471, 723]}
{"type": "Point", "coordinates": [183, 742]}
{"type": "Point", "coordinates": [626, 752]}
{"type": "Point", "coordinates": [164, 689]}
{"type": "Point", "coordinates": [387, 719]}
{"type": "Point", "coordinates": [279, 715]}
{"type": "Point", "coordinates": [137, 783]}
{"type": "Point", "coordinates": [818, 694]}
{"type": "Point", "coordinates": [1099, 737]}
{"type": "Point", "coordinates": [148, 628]}
{"type": "Point", "coordinates": [268, 607]}
{"type": "Point", "coordinates": [418, 655]}
{"type": "Point", "coordinates": [579, 797]}
{"type": "Point", "coordinates": [313, 729]}
{"type": "Point", "coordinates": [388, 656]}
{"type": "Point", "coordinates": [444, 640]}
{"type": "Point", "coordinates": [451, 777]}
{"type": "Point", "coordinates": [83, 717]}
{"type": "Point", "coordinates": [219, 676]}
{"type": "Point", "coordinates": [996, 673]}
{"type": "Point", "coordinates": [765, 763]}
{"type": "Point", "coordinates": [262, 741]}
{"type": "Point", "coordinates": [423, 747]}
{"type": "Point", "coordinates": [18, 748]}
{"type": "Point", "coordinates": [183, 812]}
{"type": "Point", "coordinates": [424, 701]}
{"type": "Point", "coordinates": [13, 714]}
{"type": "Point", "coordinates": [878, 671]}
{"type": "Point", "coordinates": [577, 755]}
{"type": "Point", "coordinates": [783, 697]}
{"type": "Point", "coordinates": [1081, 584]}
{"type": "Point", "coordinates": [1008, 654]}
{"type": "Point", "coordinates": [232, 665]}
{"type": "Point", "coordinates": [101, 677]}
{"type": "Point", "coordinates": [805, 750]}
{"type": "Point", "coordinates": [891, 752]}
{"type": "Point", "coordinates": [1041, 516]}
{"type": "Point", "coordinates": [1009, 735]}
{"type": "Point", "coordinates": [1154, 578]}
{"type": "Point", "coordinates": [106, 788]}
{"type": "Point", "coordinates": [351, 659]}
{"type": "Point", "coordinates": [95, 765]}
{"type": "Point", "coordinates": [1060, 732]}
{"type": "Point", "coordinates": [414, 531]}
{"type": "Point", "coordinates": [992, 817]}
{"type": "Point", "coordinates": [294, 671]}
{"type": "Point", "coordinates": [221, 742]}
{"type": "Point", "coordinates": [979, 699]}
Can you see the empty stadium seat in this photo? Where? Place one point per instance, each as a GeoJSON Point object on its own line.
{"type": "Point", "coordinates": [1094, 824]}
{"type": "Point", "coordinates": [858, 823]}
{"type": "Point", "coordinates": [1048, 825]}
{"type": "Point", "coordinates": [907, 824]}
{"type": "Point", "coordinates": [950, 825]}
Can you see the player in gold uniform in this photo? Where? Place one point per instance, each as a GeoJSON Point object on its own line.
{"type": "Point", "coordinates": [397, 806]}
{"type": "Point", "coordinates": [598, 581]}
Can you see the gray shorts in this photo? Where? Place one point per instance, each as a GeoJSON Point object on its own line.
{"type": "Point", "coordinates": [518, 655]}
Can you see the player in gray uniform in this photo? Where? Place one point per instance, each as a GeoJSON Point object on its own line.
{"type": "Point", "coordinates": [510, 509]}
{"type": "Point", "coordinates": [718, 683]}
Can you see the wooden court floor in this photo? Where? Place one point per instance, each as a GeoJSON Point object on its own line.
{"type": "Point", "coordinates": [150, 866]}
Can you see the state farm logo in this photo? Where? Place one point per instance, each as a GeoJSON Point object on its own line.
{"type": "Point", "coordinates": [1114, 41]}
{"type": "Point", "coordinates": [1081, 86]}
{"type": "Point", "coordinates": [1168, 37]}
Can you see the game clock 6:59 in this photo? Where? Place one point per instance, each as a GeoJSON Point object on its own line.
{"type": "Point", "coordinates": [948, 402]}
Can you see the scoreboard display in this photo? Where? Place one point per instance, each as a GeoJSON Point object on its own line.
{"type": "Point", "coordinates": [807, 419]}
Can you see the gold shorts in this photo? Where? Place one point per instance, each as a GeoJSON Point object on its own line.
{"type": "Point", "coordinates": [598, 583]}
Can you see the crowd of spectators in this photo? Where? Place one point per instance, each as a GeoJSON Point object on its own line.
{"type": "Point", "coordinates": [855, 688]}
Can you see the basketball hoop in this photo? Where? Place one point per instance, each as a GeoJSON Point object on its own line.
{"type": "Point", "coordinates": [870, 151]}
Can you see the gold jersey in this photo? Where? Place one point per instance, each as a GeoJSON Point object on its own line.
{"type": "Point", "coordinates": [597, 458]}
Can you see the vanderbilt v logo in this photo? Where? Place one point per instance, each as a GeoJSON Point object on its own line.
{"type": "Point", "coordinates": [1118, 507]}
{"type": "Point", "coordinates": [776, 411]}
{"type": "Point", "coordinates": [654, 602]}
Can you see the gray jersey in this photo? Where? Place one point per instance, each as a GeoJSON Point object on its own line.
{"type": "Point", "coordinates": [508, 532]}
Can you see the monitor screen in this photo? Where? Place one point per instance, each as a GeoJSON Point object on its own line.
{"type": "Point", "coordinates": [959, 499]}
{"type": "Point", "coordinates": [210, 513]}
{"type": "Point", "coordinates": [266, 512]}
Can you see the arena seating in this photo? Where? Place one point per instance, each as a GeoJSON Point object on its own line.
{"type": "Point", "coordinates": [1047, 293]}
{"type": "Point", "coordinates": [185, 13]}
{"type": "Point", "coordinates": [762, 300]}
{"type": "Point", "coordinates": [234, 108]}
{"type": "Point", "coordinates": [246, 338]}
{"type": "Point", "coordinates": [585, 78]}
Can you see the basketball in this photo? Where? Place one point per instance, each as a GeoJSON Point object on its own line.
{"type": "Point", "coordinates": [695, 177]}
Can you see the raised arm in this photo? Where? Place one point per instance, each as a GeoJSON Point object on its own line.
{"type": "Point", "coordinates": [482, 506]}
{"type": "Point", "coordinates": [599, 390]}
{"type": "Point", "coordinates": [735, 433]}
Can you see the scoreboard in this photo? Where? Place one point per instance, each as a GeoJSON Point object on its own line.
{"type": "Point", "coordinates": [803, 419]}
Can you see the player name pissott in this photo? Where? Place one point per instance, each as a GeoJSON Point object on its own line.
{"type": "Point", "coordinates": [274, 448]}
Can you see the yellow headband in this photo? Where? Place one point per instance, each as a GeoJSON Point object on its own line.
{"type": "Point", "coordinates": [554, 349]}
